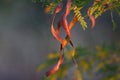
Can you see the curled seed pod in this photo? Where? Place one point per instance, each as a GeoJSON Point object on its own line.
{"type": "Point", "coordinates": [56, 67]}
{"type": "Point", "coordinates": [91, 18]}
{"type": "Point", "coordinates": [65, 14]}
{"type": "Point", "coordinates": [62, 22]}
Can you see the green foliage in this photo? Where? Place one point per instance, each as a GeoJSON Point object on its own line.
{"type": "Point", "coordinates": [96, 9]}
{"type": "Point", "coordinates": [105, 61]}
{"type": "Point", "coordinates": [79, 16]}
{"type": "Point", "coordinates": [81, 3]}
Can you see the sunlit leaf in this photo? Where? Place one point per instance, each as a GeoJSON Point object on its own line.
{"type": "Point", "coordinates": [53, 55]}
{"type": "Point", "coordinates": [77, 75]}
{"type": "Point", "coordinates": [46, 64]}
{"type": "Point", "coordinates": [79, 16]}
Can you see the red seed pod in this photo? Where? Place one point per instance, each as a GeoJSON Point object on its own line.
{"type": "Point", "coordinates": [54, 32]}
{"type": "Point", "coordinates": [91, 18]}
{"type": "Point", "coordinates": [58, 8]}
{"type": "Point", "coordinates": [56, 67]}
{"type": "Point", "coordinates": [64, 17]}
{"type": "Point", "coordinates": [67, 27]}
{"type": "Point", "coordinates": [68, 7]}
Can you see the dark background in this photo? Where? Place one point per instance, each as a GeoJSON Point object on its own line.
{"type": "Point", "coordinates": [26, 40]}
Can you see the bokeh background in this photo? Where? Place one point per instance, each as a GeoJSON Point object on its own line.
{"type": "Point", "coordinates": [26, 40]}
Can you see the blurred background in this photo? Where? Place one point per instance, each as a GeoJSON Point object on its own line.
{"type": "Point", "coordinates": [26, 40]}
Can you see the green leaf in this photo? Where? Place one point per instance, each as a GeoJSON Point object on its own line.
{"type": "Point", "coordinates": [46, 64]}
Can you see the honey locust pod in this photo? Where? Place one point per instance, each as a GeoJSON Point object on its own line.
{"type": "Point", "coordinates": [67, 27]}
{"type": "Point", "coordinates": [91, 18]}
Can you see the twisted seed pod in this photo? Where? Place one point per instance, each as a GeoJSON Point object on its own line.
{"type": "Point", "coordinates": [62, 22]}
{"type": "Point", "coordinates": [57, 66]}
